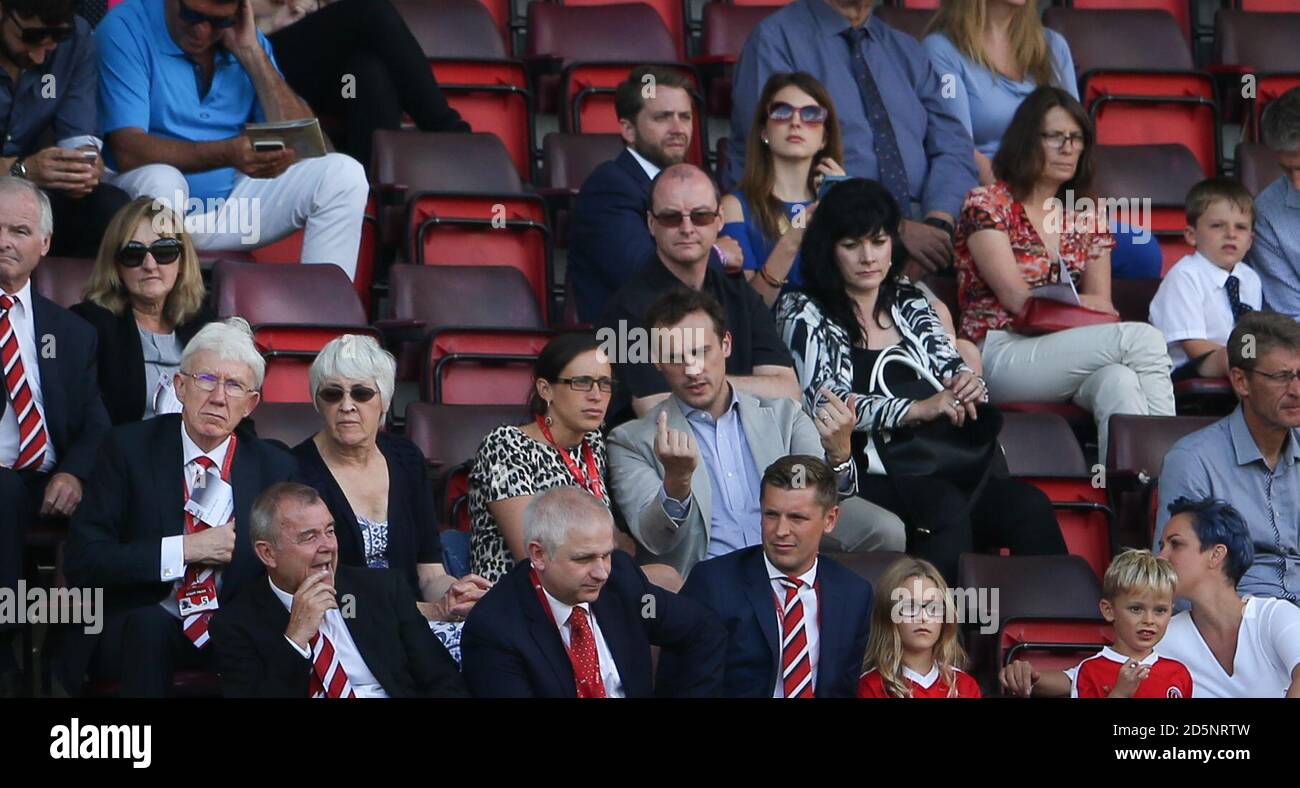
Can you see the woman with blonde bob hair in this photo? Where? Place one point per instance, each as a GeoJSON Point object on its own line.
{"type": "Point", "coordinates": [146, 301]}
{"type": "Point", "coordinates": [913, 650]}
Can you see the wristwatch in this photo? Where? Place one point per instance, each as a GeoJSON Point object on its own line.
{"type": "Point", "coordinates": [942, 224]}
{"type": "Point", "coordinates": [18, 169]}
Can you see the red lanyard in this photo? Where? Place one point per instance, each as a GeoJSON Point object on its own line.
{"type": "Point", "coordinates": [546, 605]}
{"type": "Point", "coordinates": [590, 482]}
{"type": "Point", "coordinates": [225, 473]}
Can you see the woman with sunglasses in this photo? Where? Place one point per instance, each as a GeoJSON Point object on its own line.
{"type": "Point", "coordinates": [794, 142]}
{"type": "Point", "coordinates": [374, 482]}
{"type": "Point", "coordinates": [145, 300]}
{"type": "Point", "coordinates": [1019, 233]}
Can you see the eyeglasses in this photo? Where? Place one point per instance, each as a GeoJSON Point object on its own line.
{"type": "Point", "coordinates": [164, 251]}
{"type": "Point", "coordinates": [334, 394]}
{"type": "Point", "coordinates": [191, 17]}
{"type": "Point", "coordinates": [1282, 378]}
{"type": "Point", "coordinates": [585, 382]}
{"type": "Point", "coordinates": [205, 382]}
{"type": "Point", "coordinates": [812, 114]}
{"type": "Point", "coordinates": [35, 35]}
{"type": "Point", "coordinates": [698, 218]}
{"type": "Point", "coordinates": [1058, 139]}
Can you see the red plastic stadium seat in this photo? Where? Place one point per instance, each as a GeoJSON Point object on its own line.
{"type": "Point", "coordinates": [567, 160]}
{"type": "Point", "coordinates": [929, 5]}
{"type": "Point", "coordinates": [1256, 166]}
{"type": "Point", "coordinates": [670, 12]}
{"type": "Point", "coordinates": [774, 4]}
{"type": "Point", "coordinates": [1178, 9]}
{"type": "Point", "coordinates": [63, 280]}
{"type": "Point", "coordinates": [1263, 45]}
{"type": "Point", "coordinates": [911, 20]}
{"type": "Point", "coordinates": [449, 437]}
{"type": "Point", "coordinates": [726, 27]}
{"type": "Point", "coordinates": [1269, 5]}
{"type": "Point", "coordinates": [1136, 78]}
{"type": "Point", "coordinates": [1046, 605]}
{"type": "Point", "coordinates": [285, 305]}
{"type": "Point", "coordinates": [868, 566]}
{"type": "Point", "coordinates": [1162, 174]}
{"type": "Point", "coordinates": [1041, 449]}
{"type": "Point", "coordinates": [1135, 458]}
{"type": "Point", "coordinates": [290, 423]}
{"type": "Point", "coordinates": [1079, 419]}
{"type": "Point", "coordinates": [1132, 298]}
{"type": "Point", "coordinates": [1204, 397]}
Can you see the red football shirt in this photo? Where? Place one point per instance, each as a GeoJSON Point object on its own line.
{"type": "Point", "coordinates": [1097, 675]}
{"type": "Point", "coordinates": [871, 685]}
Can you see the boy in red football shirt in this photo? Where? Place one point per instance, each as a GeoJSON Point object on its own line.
{"type": "Point", "coordinates": [1137, 597]}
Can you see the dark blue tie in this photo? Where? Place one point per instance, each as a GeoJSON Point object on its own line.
{"type": "Point", "coordinates": [889, 161]}
{"type": "Point", "coordinates": [1233, 286]}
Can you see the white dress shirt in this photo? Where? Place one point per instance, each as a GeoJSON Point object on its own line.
{"type": "Point", "coordinates": [23, 321]}
{"type": "Point", "coordinates": [333, 627]}
{"type": "Point", "coordinates": [811, 624]}
{"type": "Point", "coordinates": [608, 670]}
{"type": "Point", "coordinates": [172, 561]}
{"type": "Point", "coordinates": [1192, 303]}
{"type": "Point", "coordinates": [651, 170]}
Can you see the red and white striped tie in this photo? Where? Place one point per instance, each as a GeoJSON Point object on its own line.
{"type": "Point", "coordinates": [328, 678]}
{"type": "Point", "coordinates": [31, 427]}
{"type": "Point", "coordinates": [195, 625]}
{"type": "Point", "coordinates": [796, 664]}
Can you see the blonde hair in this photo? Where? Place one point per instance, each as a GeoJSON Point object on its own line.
{"type": "Point", "coordinates": [105, 286]}
{"type": "Point", "coordinates": [963, 21]}
{"type": "Point", "coordinates": [885, 646]}
{"type": "Point", "coordinates": [1135, 571]}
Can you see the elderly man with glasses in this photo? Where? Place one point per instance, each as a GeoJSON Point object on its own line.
{"type": "Point", "coordinates": [1251, 458]}
{"type": "Point", "coordinates": [164, 527]}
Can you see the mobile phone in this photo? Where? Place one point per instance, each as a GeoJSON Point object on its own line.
{"type": "Point", "coordinates": [268, 146]}
{"type": "Point", "coordinates": [827, 182]}
{"type": "Point", "coordinates": [90, 155]}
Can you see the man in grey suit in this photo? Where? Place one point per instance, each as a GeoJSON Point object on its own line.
{"type": "Point", "coordinates": [687, 475]}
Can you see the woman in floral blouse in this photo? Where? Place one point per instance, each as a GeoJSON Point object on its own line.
{"type": "Point", "coordinates": [1017, 234]}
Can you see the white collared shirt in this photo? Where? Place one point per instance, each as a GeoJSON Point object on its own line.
{"type": "Point", "coordinates": [811, 624]}
{"type": "Point", "coordinates": [172, 560]}
{"type": "Point", "coordinates": [333, 627]}
{"type": "Point", "coordinates": [24, 323]}
{"type": "Point", "coordinates": [608, 670]}
{"type": "Point", "coordinates": [651, 170]}
{"type": "Point", "coordinates": [1192, 303]}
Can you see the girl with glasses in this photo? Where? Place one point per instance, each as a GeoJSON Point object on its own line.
{"type": "Point", "coordinates": [145, 300]}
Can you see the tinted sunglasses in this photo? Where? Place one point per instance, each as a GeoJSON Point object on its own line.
{"type": "Point", "coordinates": [812, 114]}
{"type": "Point", "coordinates": [35, 35]}
{"type": "Point", "coordinates": [698, 218]}
{"type": "Point", "coordinates": [191, 17]}
{"type": "Point", "coordinates": [334, 395]}
{"type": "Point", "coordinates": [164, 251]}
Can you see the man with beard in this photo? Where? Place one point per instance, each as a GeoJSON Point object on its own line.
{"type": "Point", "coordinates": [608, 239]}
{"type": "Point", "coordinates": [47, 88]}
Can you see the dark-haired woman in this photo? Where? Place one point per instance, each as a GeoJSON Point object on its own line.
{"type": "Point", "coordinates": [858, 327]}
{"type": "Point", "coordinates": [562, 445]}
{"type": "Point", "coordinates": [1016, 235]}
{"type": "Point", "coordinates": [794, 142]}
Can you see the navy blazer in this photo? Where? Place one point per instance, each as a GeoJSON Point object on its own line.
{"type": "Point", "coordinates": [608, 237]}
{"type": "Point", "coordinates": [736, 587]}
{"type": "Point", "coordinates": [511, 647]}
{"type": "Point", "coordinates": [74, 411]}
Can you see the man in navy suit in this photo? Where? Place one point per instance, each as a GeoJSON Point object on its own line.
{"type": "Point", "coordinates": [51, 416]}
{"type": "Point", "coordinates": [797, 623]}
{"type": "Point", "coordinates": [609, 241]}
{"type": "Point", "coordinates": [578, 618]}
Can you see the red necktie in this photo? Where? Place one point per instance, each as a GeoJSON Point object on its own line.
{"type": "Point", "coordinates": [328, 678]}
{"type": "Point", "coordinates": [195, 625]}
{"type": "Point", "coordinates": [31, 428]}
{"type": "Point", "coordinates": [796, 666]}
{"type": "Point", "coordinates": [582, 652]}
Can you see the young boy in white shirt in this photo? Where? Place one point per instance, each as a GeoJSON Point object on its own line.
{"type": "Point", "coordinates": [1206, 292]}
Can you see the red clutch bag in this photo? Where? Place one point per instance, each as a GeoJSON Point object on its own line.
{"type": "Point", "coordinates": [1043, 316]}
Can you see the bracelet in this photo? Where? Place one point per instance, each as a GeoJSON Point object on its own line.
{"type": "Point", "coordinates": [771, 280]}
{"type": "Point", "coordinates": [942, 224]}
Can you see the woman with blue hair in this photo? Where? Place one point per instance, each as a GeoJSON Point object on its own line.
{"type": "Point", "coordinates": [1234, 646]}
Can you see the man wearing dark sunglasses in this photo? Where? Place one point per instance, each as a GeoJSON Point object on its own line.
{"type": "Point", "coordinates": [178, 82]}
{"type": "Point", "coordinates": [47, 89]}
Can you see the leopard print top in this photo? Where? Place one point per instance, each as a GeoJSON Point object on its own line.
{"type": "Point", "coordinates": [510, 464]}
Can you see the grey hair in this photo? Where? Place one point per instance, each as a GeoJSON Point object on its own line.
{"type": "Point", "coordinates": [10, 184]}
{"type": "Point", "coordinates": [550, 515]}
{"type": "Point", "coordinates": [229, 340]}
{"type": "Point", "coordinates": [266, 509]}
{"type": "Point", "coordinates": [355, 357]}
{"type": "Point", "coordinates": [1281, 122]}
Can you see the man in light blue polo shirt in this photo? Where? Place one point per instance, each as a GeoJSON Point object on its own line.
{"type": "Point", "coordinates": [1275, 253]}
{"type": "Point", "coordinates": [178, 79]}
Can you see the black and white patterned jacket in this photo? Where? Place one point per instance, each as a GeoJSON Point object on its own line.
{"type": "Point", "coordinates": [823, 358]}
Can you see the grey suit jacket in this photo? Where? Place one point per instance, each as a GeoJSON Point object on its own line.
{"type": "Point", "coordinates": [773, 428]}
